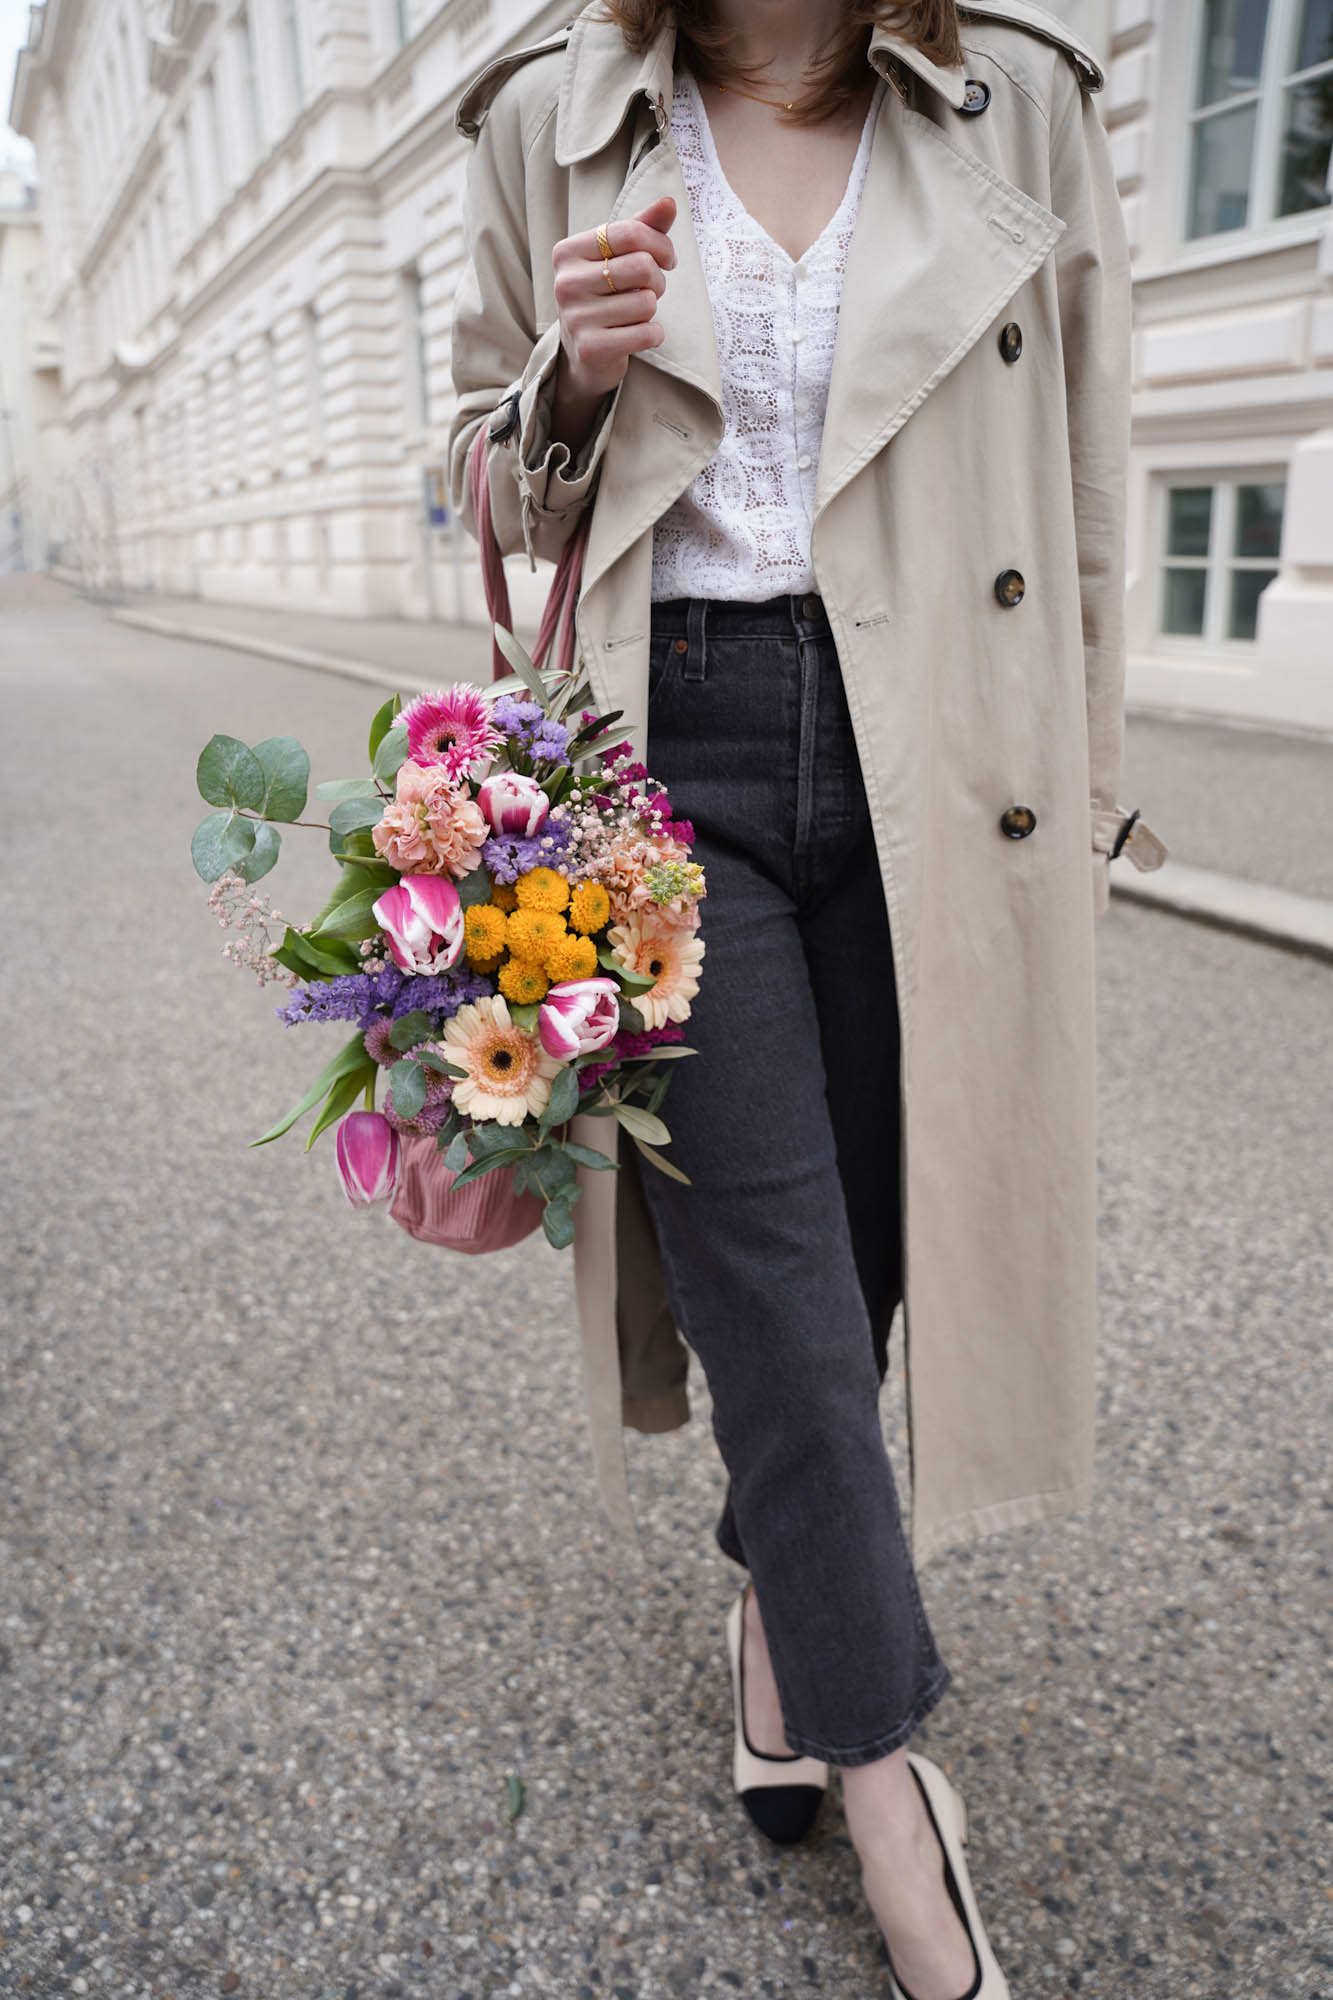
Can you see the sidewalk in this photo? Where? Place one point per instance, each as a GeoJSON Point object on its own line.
{"type": "Point", "coordinates": [1247, 814]}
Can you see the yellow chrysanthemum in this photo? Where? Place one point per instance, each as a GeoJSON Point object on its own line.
{"type": "Point", "coordinates": [485, 964]}
{"type": "Point", "coordinates": [522, 981]}
{"type": "Point", "coordinates": [589, 907]}
{"type": "Point", "coordinates": [483, 931]}
{"type": "Point", "coordinates": [503, 896]}
{"type": "Point", "coordinates": [572, 958]}
{"type": "Point", "coordinates": [531, 934]}
{"type": "Point", "coordinates": [542, 889]}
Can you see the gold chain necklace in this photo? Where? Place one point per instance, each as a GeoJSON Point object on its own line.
{"type": "Point", "coordinates": [733, 92]}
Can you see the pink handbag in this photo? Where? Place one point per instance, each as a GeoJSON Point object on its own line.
{"type": "Point", "coordinates": [487, 1214]}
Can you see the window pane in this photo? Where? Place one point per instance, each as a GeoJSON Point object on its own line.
{"type": "Point", "coordinates": [1246, 585]}
{"type": "Point", "coordinates": [1189, 520]}
{"type": "Point", "coordinates": [1316, 44]}
{"type": "Point", "coordinates": [1259, 520]}
{"type": "Point", "coordinates": [1305, 146]}
{"type": "Point", "coordinates": [1223, 145]}
{"type": "Point", "coordinates": [1233, 48]}
{"type": "Point", "coordinates": [1183, 608]}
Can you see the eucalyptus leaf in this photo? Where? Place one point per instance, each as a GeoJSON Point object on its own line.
{"type": "Point", "coordinates": [409, 1029]}
{"type": "Point", "coordinates": [641, 1124]}
{"type": "Point", "coordinates": [556, 1172]}
{"type": "Point", "coordinates": [488, 1139]}
{"type": "Point", "coordinates": [286, 770]}
{"type": "Point", "coordinates": [221, 842]}
{"type": "Point", "coordinates": [347, 788]}
{"type": "Point", "coordinates": [392, 752]}
{"type": "Point", "coordinates": [382, 723]}
{"type": "Point", "coordinates": [263, 854]}
{"type": "Point", "coordinates": [407, 1087]}
{"type": "Point", "coordinates": [455, 1157]}
{"type": "Point", "coordinates": [631, 1020]}
{"type": "Point", "coordinates": [475, 888]}
{"type": "Point", "coordinates": [490, 1165]}
{"type": "Point", "coordinates": [558, 1225]}
{"type": "Point", "coordinates": [352, 814]}
{"type": "Point", "coordinates": [229, 774]}
{"type": "Point", "coordinates": [663, 1166]}
{"type": "Point", "coordinates": [564, 1099]}
{"type": "Point", "coordinates": [351, 1056]}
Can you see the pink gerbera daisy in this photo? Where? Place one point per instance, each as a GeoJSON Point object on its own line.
{"type": "Point", "coordinates": [452, 726]}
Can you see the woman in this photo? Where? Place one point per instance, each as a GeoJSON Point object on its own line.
{"type": "Point", "coordinates": [820, 311]}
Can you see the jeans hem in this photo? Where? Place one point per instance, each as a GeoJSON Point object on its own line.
{"type": "Point", "coordinates": [879, 1746]}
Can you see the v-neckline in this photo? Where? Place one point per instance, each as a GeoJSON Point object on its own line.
{"type": "Point", "coordinates": [711, 152]}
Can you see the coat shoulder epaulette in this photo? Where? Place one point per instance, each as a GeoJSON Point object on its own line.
{"type": "Point", "coordinates": [476, 99]}
{"type": "Point", "coordinates": [1037, 21]}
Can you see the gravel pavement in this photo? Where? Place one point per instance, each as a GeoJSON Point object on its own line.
{"type": "Point", "coordinates": [300, 1559]}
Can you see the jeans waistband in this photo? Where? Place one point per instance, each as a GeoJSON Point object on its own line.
{"type": "Point", "coordinates": [798, 614]}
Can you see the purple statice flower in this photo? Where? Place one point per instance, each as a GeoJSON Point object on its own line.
{"type": "Point", "coordinates": [510, 855]}
{"type": "Point", "coordinates": [527, 725]}
{"type": "Point", "coordinates": [513, 715]}
{"type": "Point", "coordinates": [364, 997]}
{"type": "Point", "coordinates": [549, 744]}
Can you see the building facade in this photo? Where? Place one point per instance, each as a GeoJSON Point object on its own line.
{"type": "Point", "coordinates": [255, 219]}
{"type": "Point", "coordinates": [32, 442]}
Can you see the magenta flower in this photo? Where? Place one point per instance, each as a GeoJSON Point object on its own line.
{"type": "Point", "coordinates": [578, 1016]}
{"type": "Point", "coordinates": [422, 920]}
{"type": "Point", "coordinates": [367, 1158]}
{"type": "Point", "coordinates": [514, 805]}
{"type": "Point", "coordinates": [452, 726]}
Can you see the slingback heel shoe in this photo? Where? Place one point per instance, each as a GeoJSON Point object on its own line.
{"type": "Point", "coordinates": [948, 1817]}
{"type": "Point", "coordinates": [781, 1794]}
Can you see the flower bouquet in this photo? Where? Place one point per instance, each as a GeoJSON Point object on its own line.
{"type": "Point", "coordinates": [513, 933]}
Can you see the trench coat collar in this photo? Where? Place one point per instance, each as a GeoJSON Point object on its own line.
{"type": "Point", "coordinates": [602, 79]}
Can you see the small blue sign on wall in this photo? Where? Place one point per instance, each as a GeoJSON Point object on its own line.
{"type": "Point", "coordinates": [435, 496]}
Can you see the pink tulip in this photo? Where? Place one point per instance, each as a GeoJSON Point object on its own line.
{"type": "Point", "coordinates": [578, 1016]}
{"type": "Point", "coordinates": [513, 804]}
{"type": "Point", "coordinates": [422, 919]}
{"type": "Point", "coordinates": [367, 1158]}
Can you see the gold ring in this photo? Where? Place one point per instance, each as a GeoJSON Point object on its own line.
{"type": "Point", "coordinates": [603, 240]}
{"type": "Point", "coordinates": [606, 273]}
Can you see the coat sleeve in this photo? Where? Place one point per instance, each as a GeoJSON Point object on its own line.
{"type": "Point", "coordinates": [504, 362]}
{"type": "Point", "coordinates": [1095, 302]}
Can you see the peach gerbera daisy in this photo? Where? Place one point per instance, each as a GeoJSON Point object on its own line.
{"type": "Point", "coordinates": [665, 952]}
{"type": "Point", "coordinates": [508, 1071]}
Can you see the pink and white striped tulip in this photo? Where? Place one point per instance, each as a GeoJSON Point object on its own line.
{"type": "Point", "coordinates": [367, 1158]}
{"type": "Point", "coordinates": [578, 1016]}
{"type": "Point", "coordinates": [514, 804]}
{"type": "Point", "coordinates": [422, 920]}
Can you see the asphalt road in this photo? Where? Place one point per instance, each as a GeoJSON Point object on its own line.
{"type": "Point", "coordinates": [300, 1558]}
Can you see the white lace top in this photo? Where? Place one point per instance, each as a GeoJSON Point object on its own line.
{"type": "Point", "coordinates": [741, 529]}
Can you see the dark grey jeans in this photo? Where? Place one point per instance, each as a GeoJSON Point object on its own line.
{"type": "Point", "coordinates": [783, 1257]}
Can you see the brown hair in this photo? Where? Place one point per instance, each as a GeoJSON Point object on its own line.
{"type": "Point", "coordinates": [840, 71]}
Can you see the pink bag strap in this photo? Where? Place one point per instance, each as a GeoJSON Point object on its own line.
{"type": "Point", "coordinates": [557, 624]}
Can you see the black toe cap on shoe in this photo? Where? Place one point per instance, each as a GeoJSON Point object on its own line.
{"type": "Point", "coordinates": [784, 1812]}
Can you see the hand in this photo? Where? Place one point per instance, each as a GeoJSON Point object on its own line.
{"type": "Point", "coordinates": [599, 328]}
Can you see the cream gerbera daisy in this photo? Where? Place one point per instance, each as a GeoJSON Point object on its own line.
{"type": "Point", "coordinates": [508, 1071]}
{"type": "Point", "coordinates": [665, 952]}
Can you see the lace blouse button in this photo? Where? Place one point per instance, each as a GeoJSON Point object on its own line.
{"type": "Point", "coordinates": [803, 462]}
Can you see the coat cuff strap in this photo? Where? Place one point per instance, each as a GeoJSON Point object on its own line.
{"type": "Point", "coordinates": [1116, 831]}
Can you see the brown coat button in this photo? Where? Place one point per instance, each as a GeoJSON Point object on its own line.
{"type": "Point", "coordinates": [1009, 587]}
{"type": "Point", "coordinates": [1017, 822]}
{"type": "Point", "coordinates": [1011, 341]}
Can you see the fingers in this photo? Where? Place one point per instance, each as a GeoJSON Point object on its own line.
{"type": "Point", "coordinates": [577, 281]}
{"type": "Point", "coordinates": [630, 235]}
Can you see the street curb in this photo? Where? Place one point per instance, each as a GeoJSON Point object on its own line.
{"type": "Point", "coordinates": [268, 649]}
{"type": "Point", "coordinates": [1300, 924]}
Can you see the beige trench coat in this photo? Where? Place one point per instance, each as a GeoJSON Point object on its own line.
{"type": "Point", "coordinates": [943, 464]}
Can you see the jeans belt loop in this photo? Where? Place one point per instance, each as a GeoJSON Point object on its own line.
{"type": "Point", "coordinates": [696, 632]}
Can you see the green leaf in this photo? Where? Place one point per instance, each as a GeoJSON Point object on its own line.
{"type": "Point", "coordinates": [598, 724]}
{"type": "Point", "coordinates": [230, 774]}
{"type": "Point", "coordinates": [558, 1224]}
{"type": "Point", "coordinates": [351, 1056]}
{"type": "Point", "coordinates": [557, 1172]}
{"type": "Point", "coordinates": [391, 753]}
{"type": "Point", "coordinates": [564, 1099]}
{"type": "Point", "coordinates": [525, 1014]}
{"type": "Point", "coordinates": [668, 1052]}
{"type": "Point", "coordinates": [341, 1099]}
{"type": "Point", "coordinates": [455, 1157]}
{"type": "Point", "coordinates": [286, 770]}
{"type": "Point", "coordinates": [263, 854]}
{"type": "Point", "coordinates": [407, 1087]}
{"type": "Point", "coordinates": [490, 1138]}
{"type": "Point", "coordinates": [631, 1020]}
{"type": "Point", "coordinates": [352, 881]}
{"type": "Point", "coordinates": [598, 745]}
{"type": "Point", "coordinates": [487, 1166]}
{"type": "Point", "coordinates": [329, 960]}
{"type": "Point", "coordinates": [381, 724]}
{"type": "Point", "coordinates": [220, 842]}
{"type": "Point", "coordinates": [434, 1060]}
{"type": "Point", "coordinates": [572, 689]}
{"type": "Point", "coordinates": [475, 888]}
{"type": "Point", "coordinates": [353, 814]}
{"type": "Point", "coordinates": [641, 1124]}
{"type": "Point", "coordinates": [663, 1166]}
{"type": "Point", "coordinates": [633, 982]}
{"type": "Point", "coordinates": [521, 664]}
{"type": "Point", "coordinates": [347, 788]}
{"type": "Point", "coordinates": [409, 1029]}
{"type": "Point", "coordinates": [353, 918]}
{"type": "Point", "coordinates": [367, 863]}
{"type": "Point", "coordinates": [514, 1795]}
{"type": "Point", "coordinates": [587, 1156]}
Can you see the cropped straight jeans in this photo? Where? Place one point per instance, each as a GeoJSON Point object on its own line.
{"type": "Point", "coordinates": [782, 1258]}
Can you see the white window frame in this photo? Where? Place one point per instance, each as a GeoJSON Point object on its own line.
{"type": "Point", "coordinates": [1275, 78]}
{"type": "Point", "coordinates": [416, 376]}
{"type": "Point", "coordinates": [316, 429]}
{"type": "Point", "coordinates": [1219, 563]}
